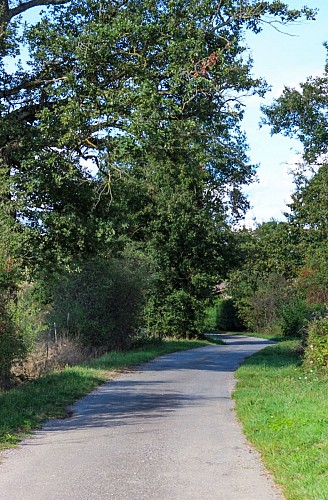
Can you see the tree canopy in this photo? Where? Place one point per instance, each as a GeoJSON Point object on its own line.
{"type": "Point", "coordinates": [124, 125]}
{"type": "Point", "coordinates": [303, 113]}
{"type": "Point", "coordinates": [283, 279]}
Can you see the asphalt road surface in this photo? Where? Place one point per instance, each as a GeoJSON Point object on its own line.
{"type": "Point", "coordinates": [165, 431]}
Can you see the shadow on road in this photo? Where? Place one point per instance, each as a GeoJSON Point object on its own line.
{"type": "Point", "coordinates": [124, 403]}
{"type": "Point", "coordinates": [128, 399]}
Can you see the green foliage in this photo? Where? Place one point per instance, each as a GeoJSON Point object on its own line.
{"type": "Point", "coordinates": [223, 315]}
{"type": "Point", "coordinates": [312, 278]}
{"type": "Point", "coordinates": [269, 248]}
{"type": "Point", "coordinates": [178, 314]}
{"type": "Point", "coordinates": [227, 316]}
{"type": "Point", "coordinates": [20, 324]}
{"type": "Point", "coordinates": [316, 351]}
{"type": "Point", "coordinates": [102, 302]}
{"type": "Point", "coordinates": [293, 315]}
{"type": "Point", "coordinates": [187, 245]}
{"type": "Point", "coordinates": [272, 304]}
{"type": "Point", "coordinates": [308, 218]}
{"type": "Point", "coordinates": [283, 278]}
{"type": "Point", "coordinates": [158, 120]}
{"type": "Point", "coordinates": [28, 313]}
{"type": "Point", "coordinates": [11, 346]}
{"type": "Point", "coordinates": [259, 300]}
{"type": "Point", "coordinates": [303, 114]}
{"type": "Point", "coordinates": [210, 319]}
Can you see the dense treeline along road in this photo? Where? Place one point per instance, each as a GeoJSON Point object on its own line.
{"type": "Point", "coordinates": [122, 166]}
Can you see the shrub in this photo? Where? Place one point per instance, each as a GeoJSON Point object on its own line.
{"type": "Point", "coordinates": [259, 303]}
{"type": "Point", "coordinates": [20, 323]}
{"type": "Point", "coordinates": [227, 317]}
{"type": "Point", "coordinates": [11, 346]}
{"type": "Point", "coordinates": [316, 351]}
{"type": "Point", "coordinates": [313, 277]}
{"type": "Point", "coordinates": [210, 318]}
{"type": "Point", "coordinates": [180, 315]}
{"type": "Point", "coordinates": [293, 316]}
{"type": "Point", "coordinates": [101, 303]}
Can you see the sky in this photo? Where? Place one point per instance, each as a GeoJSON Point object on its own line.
{"type": "Point", "coordinates": [282, 60]}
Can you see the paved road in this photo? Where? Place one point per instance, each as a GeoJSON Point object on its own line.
{"type": "Point", "coordinates": [166, 431]}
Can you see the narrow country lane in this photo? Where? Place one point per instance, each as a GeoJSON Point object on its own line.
{"type": "Point", "coordinates": [165, 431]}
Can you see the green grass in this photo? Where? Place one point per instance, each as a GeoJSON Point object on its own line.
{"type": "Point", "coordinates": [284, 411]}
{"type": "Point", "coordinates": [28, 406]}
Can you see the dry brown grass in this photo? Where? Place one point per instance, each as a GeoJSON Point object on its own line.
{"type": "Point", "coordinates": [47, 357]}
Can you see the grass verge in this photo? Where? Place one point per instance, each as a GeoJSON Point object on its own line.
{"type": "Point", "coordinates": [284, 411]}
{"type": "Point", "coordinates": [25, 408]}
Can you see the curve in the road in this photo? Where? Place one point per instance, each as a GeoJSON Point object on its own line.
{"type": "Point", "coordinates": [164, 431]}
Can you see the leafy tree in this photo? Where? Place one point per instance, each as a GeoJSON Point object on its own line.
{"type": "Point", "coordinates": [258, 283]}
{"type": "Point", "coordinates": [149, 93]}
{"type": "Point", "coordinates": [297, 249]}
{"type": "Point", "coordinates": [303, 113]}
{"type": "Point", "coordinates": [308, 216]}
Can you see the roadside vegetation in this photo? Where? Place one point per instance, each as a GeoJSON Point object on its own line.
{"type": "Point", "coordinates": [27, 406]}
{"type": "Point", "coordinates": [283, 408]}
{"type": "Point", "coordinates": [122, 168]}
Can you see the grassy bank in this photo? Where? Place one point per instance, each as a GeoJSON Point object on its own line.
{"type": "Point", "coordinates": [284, 411]}
{"type": "Point", "coordinates": [28, 406]}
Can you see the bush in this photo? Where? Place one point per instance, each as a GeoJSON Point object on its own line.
{"type": "Point", "coordinates": [180, 315]}
{"type": "Point", "coordinates": [226, 316]}
{"type": "Point", "coordinates": [223, 315]}
{"type": "Point", "coordinates": [316, 351]}
{"type": "Point", "coordinates": [11, 345]}
{"type": "Point", "coordinates": [293, 316]}
{"type": "Point", "coordinates": [210, 322]}
{"type": "Point", "coordinates": [312, 278]}
{"type": "Point", "coordinates": [101, 303]}
{"type": "Point", "coordinates": [259, 303]}
{"type": "Point", "coordinates": [21, 322]}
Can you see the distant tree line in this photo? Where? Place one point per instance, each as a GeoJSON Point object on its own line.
{"type": "Point", "coordinates": [282, 284]}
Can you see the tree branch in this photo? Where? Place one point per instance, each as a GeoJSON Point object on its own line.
{"type": "Point", "coordinates": [29, 85]}
{"type": "Point", "coordinates": [23, 7]}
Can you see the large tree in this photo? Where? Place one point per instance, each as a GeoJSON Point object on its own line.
{"type": "Point", "coordinates": [150, 94]}
{"type": "Point", "coordinates": [303, 113]}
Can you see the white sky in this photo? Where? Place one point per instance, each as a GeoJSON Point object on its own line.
{"type": "Point", "coordinates": [281, 60]}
